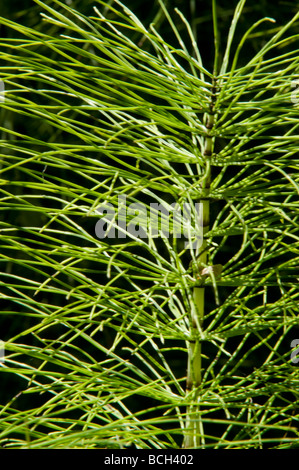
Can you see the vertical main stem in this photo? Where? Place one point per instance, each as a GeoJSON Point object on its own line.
{"type": "Point", "coordinates": [194, 436]}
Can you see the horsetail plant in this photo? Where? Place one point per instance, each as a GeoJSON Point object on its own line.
{"type": "Point", "coordinates": [149, 232]}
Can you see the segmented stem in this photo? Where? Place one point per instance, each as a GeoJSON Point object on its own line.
{"type": "Point", "coordinates": [194, 436]}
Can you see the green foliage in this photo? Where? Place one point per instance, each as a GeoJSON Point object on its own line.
{"type": "Point", "coordinates": [98, 332]}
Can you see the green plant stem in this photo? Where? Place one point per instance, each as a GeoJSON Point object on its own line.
{"type": "Point", "coordinates": [194, 430]}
